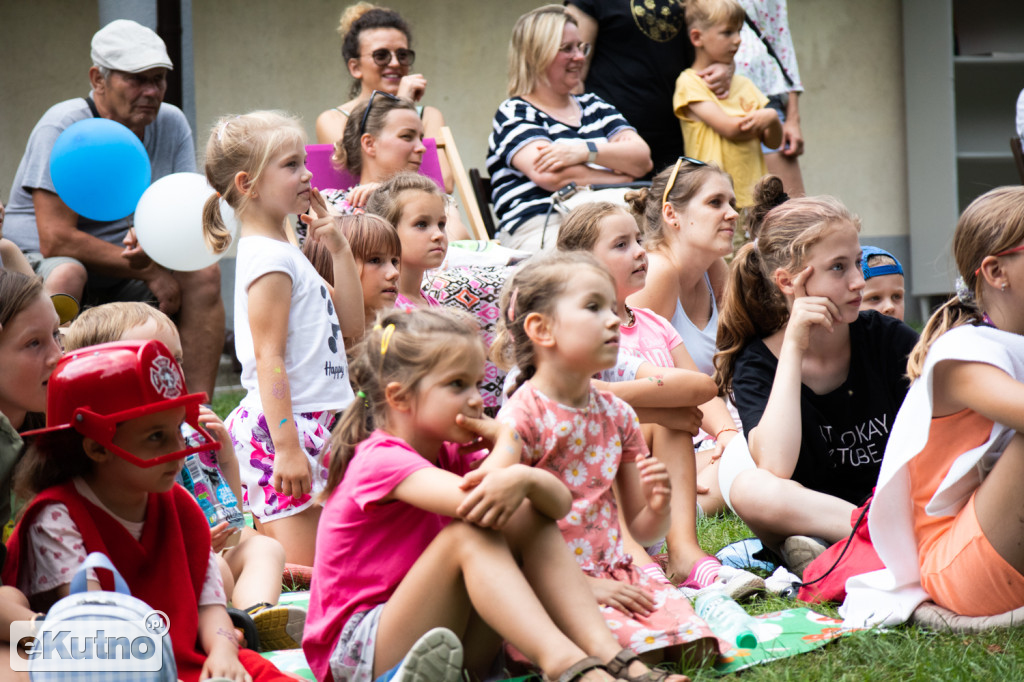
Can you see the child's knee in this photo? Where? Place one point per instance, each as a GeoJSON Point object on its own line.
{"type": "Point", "coordinates": [13, 595]}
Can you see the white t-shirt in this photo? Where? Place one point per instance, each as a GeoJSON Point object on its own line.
{"type": "Point", "coordinates": [314, 352]}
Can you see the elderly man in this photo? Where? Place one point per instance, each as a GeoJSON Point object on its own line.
{"type": "Point", "coordinates": [98, 261]}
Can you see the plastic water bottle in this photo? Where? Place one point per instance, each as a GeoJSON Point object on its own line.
{"type": "Point", "coordinates": [726, 618]}
{"type": "Point", "coordinates": [215, 498]}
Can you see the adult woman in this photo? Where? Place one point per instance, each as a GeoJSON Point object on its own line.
{"type": "Point", "coordinates": [779, 79]}
{"type": "Point", "coordinates": [544, 137]}
{"type": "Point", "coordinates": [376, 48]}
{"type": "Point", "coordinates": [383, 136]}
{"type": "Point", "coordinates": [689, 218]}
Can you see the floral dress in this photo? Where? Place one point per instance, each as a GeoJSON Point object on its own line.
{"type": "Point", "coordinates": [584, 448]}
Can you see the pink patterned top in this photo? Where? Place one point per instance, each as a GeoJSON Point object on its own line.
{"type": "Point", "coordinates": [584, 448]}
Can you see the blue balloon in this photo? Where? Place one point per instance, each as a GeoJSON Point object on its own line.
{"type": "Point", "coordinates": [99, 168]}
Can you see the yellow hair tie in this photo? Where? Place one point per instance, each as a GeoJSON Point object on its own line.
{"type": "Point", "coordinates": [385, 338]}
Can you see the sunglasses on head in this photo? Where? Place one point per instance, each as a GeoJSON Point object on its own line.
{"type": "Point", "coordinates": [366, 111]}
{"type": "Point", "coordinates": [382, 56]}
{"type": "Point", "coordinates": [675, 174]}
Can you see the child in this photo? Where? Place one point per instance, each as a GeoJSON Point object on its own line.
{"type": "Point", "coordinates": [103, 471]}
{"type": "Point", "coordinates": [689, 221]}
{"type": "Point", "coordinates": [947, 514]}
{"type": "Point", "coordinates": [728, 131]}
{"type": "Point", "coordinates": [416, 207]}
{"type": "Point", "coordinates": [883, 282]}
{"type": "Point", "coordinates": [252, 568]}
{"type": "Point", "coordinates": [817, 382]}
{"type": "Point", "coordinates": [289, 323]}
{"type": "Point", "coordinates": [559, 321]}
{"type": "Point", "coordinates": [29, 350]}
{"type": "Point", "coordinates": [611, 235]}
{"type": "Point", "coordinates": [377, 251]}
{"type": "Point", "coordinates": [392, 564]}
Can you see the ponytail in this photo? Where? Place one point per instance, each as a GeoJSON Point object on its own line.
{"type": "Point", "coordinates": [215, 232]}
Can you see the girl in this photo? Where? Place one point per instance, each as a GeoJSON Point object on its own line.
{"type": "Point", "coordinates": [377, 251]}
{"type": "Point", "coordinates": [816, 382]}
{"type": "Point", "coordinates": [610, 233]}
{"type": "Point", "coordinates": [947, 513]}
{"type": "Point", "coordinates": [29, 350]}
{"type": "Point", "coordinates": [289, 323]}
{"type": "Point", "coordinates": [559, 321]}
{"type": "Point", "coordinates": [376, 47]}
{"type": "Point", "coordinates": [414, 538]}
{"type": "Point", "coordinates": [102, 473]}
{"type": "Point", "coordinates": [251, 567]}
{"type": "Point", "coordinates": [689, 218]}
{"type": "Point", "coordinates": [416, 207]}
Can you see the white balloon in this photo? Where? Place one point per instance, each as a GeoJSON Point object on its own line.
{"type": "Point", "coordinates": [169, 222]}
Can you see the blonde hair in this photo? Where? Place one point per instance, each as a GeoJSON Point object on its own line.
{"type": "Point", "coordinates": [703, 14]}
{"type": "Point", "coordinates": [109, 322]}
{"type": "Point", "coordinates": [646, 203]}
{"type": "Point", "coordinates": [536, 38]}
{"type": "Point", "coordinates": [245, 143]}
{"type": "Point", "coordinates": [368, 234]}
{"type": "Point", "coordinates": [348, 151]}
{"type": "Point", "coordinates": [753, 306]}
{"type": "Point", "coordinates": [582, 227]}
{"type": "Point", "coordinates": [535, 287]}
{"type": "Point", "coordinates": [403, 347]}
{"type": "Point", "coordinates": [992, 223]}
{"type": "Point", "coordinates": [389, 200]}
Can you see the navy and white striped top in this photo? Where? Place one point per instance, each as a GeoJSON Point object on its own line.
{"type": "Point", "coordinates": [516, 124]}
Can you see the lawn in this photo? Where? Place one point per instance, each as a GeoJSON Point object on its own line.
{"type": "Point", "coordinates": [903, 653]}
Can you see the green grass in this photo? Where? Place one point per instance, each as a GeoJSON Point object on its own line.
{"type": "Point", "coordinates": [903, 653]}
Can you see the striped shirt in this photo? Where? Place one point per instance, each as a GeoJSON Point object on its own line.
{"type": "Point", "coordinates": [518, 123]}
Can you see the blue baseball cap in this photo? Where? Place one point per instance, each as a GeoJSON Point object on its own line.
{"type": "Point", "coordinates": [893, 268]}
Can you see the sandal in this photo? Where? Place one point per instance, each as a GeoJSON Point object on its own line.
{"type": "Point", "coordinates": [581, 668]}
{"type": "Point", "coordinates": [619, 666]}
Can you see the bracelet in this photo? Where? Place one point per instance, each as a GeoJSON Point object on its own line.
{"type": "Point", "coordinates": [729, 428]}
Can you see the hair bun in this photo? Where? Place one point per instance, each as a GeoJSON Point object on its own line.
{"type": "Point", "coordinates": [351, 15]}
{"type": "Point", "coordinates": [768, 193]}
{"type": "Point", "coordinates": [637, 200]}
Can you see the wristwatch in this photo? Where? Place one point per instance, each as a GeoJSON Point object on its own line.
{"type": "Point", "coordinates": [591, 152]}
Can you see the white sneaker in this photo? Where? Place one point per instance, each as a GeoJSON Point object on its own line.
{"type": "Point", "coordinates": [798, 551]}
{"type": "Point", "coordinates": [435, 657]}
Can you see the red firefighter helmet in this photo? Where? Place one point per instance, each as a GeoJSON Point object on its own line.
{"type": "Point", "coordinates": [95, 388]}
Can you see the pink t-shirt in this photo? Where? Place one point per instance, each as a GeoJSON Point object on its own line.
{"type": "Point", "coordinates": [403, 303]}
{"type": "Point", "coordinates": [651, 337]}
{"type": "Point", "coordinates": [365, 548]}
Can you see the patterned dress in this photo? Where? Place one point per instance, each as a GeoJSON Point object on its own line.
{"type": "Point", "coordinates": [584, 448]}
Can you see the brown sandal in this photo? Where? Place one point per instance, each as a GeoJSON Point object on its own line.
{"type": "Point", "coordinates": [618, 667]}
{"type": "Point", "coordinates": [581, 668]}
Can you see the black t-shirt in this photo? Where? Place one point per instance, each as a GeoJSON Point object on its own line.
{"type": "Point", "coordinates": [642, 46]}
{"type": "Point", "coordinates": [844, 432]}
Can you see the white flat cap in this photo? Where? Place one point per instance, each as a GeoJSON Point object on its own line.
{"type": "Point", "coordinates": [124, 45]}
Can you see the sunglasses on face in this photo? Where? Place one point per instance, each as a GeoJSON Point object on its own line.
{"type": "Point", "coordinates": [383, 56]}
{"type": "Point", "coordinates": [369, 105]}
{"type": "Point", "coordinates": [675, 174]}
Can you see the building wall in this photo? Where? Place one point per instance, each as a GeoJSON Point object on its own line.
{"type": "Point", "coordinates": [264, 54]}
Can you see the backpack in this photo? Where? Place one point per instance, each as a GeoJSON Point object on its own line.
{"type": "Point", "coordinates": [135, 645]}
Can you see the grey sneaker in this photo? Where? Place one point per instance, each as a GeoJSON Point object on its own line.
{"type": "Point", "coordinates": [435, 657]}
{"type": "Point", "coordinates": [798, 551]}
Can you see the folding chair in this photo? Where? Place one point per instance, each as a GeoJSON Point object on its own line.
{"type": "Point", "coordinates": [477, 226]}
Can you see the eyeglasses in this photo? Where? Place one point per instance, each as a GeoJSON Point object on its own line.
{"type": "Point", "coordinates": [382, 56]}
{"type": "Point", "coordinates": [675, 174]}
{"type": "Point", "coordinates": [366, 111]}
{"type": "Point", "coordinates": [1002, 253]}
{"type": "Point", "coordinates": [572, 47]}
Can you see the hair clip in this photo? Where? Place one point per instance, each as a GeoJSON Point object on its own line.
{"type": "Point", "coordinates": [385, 338]}
{"type": "Point", "coordinates": [512, 305]}
{"type": "Point", "coordinates": [963, 293]}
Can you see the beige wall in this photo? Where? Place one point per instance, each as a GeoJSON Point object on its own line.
{"type": "Point", "coordinates": [263, 53]}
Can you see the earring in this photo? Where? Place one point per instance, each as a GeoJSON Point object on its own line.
{"type": "Point", "coordinates": [1003, 288]}
{"type": "Point", "coordinates": [253, 195]}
